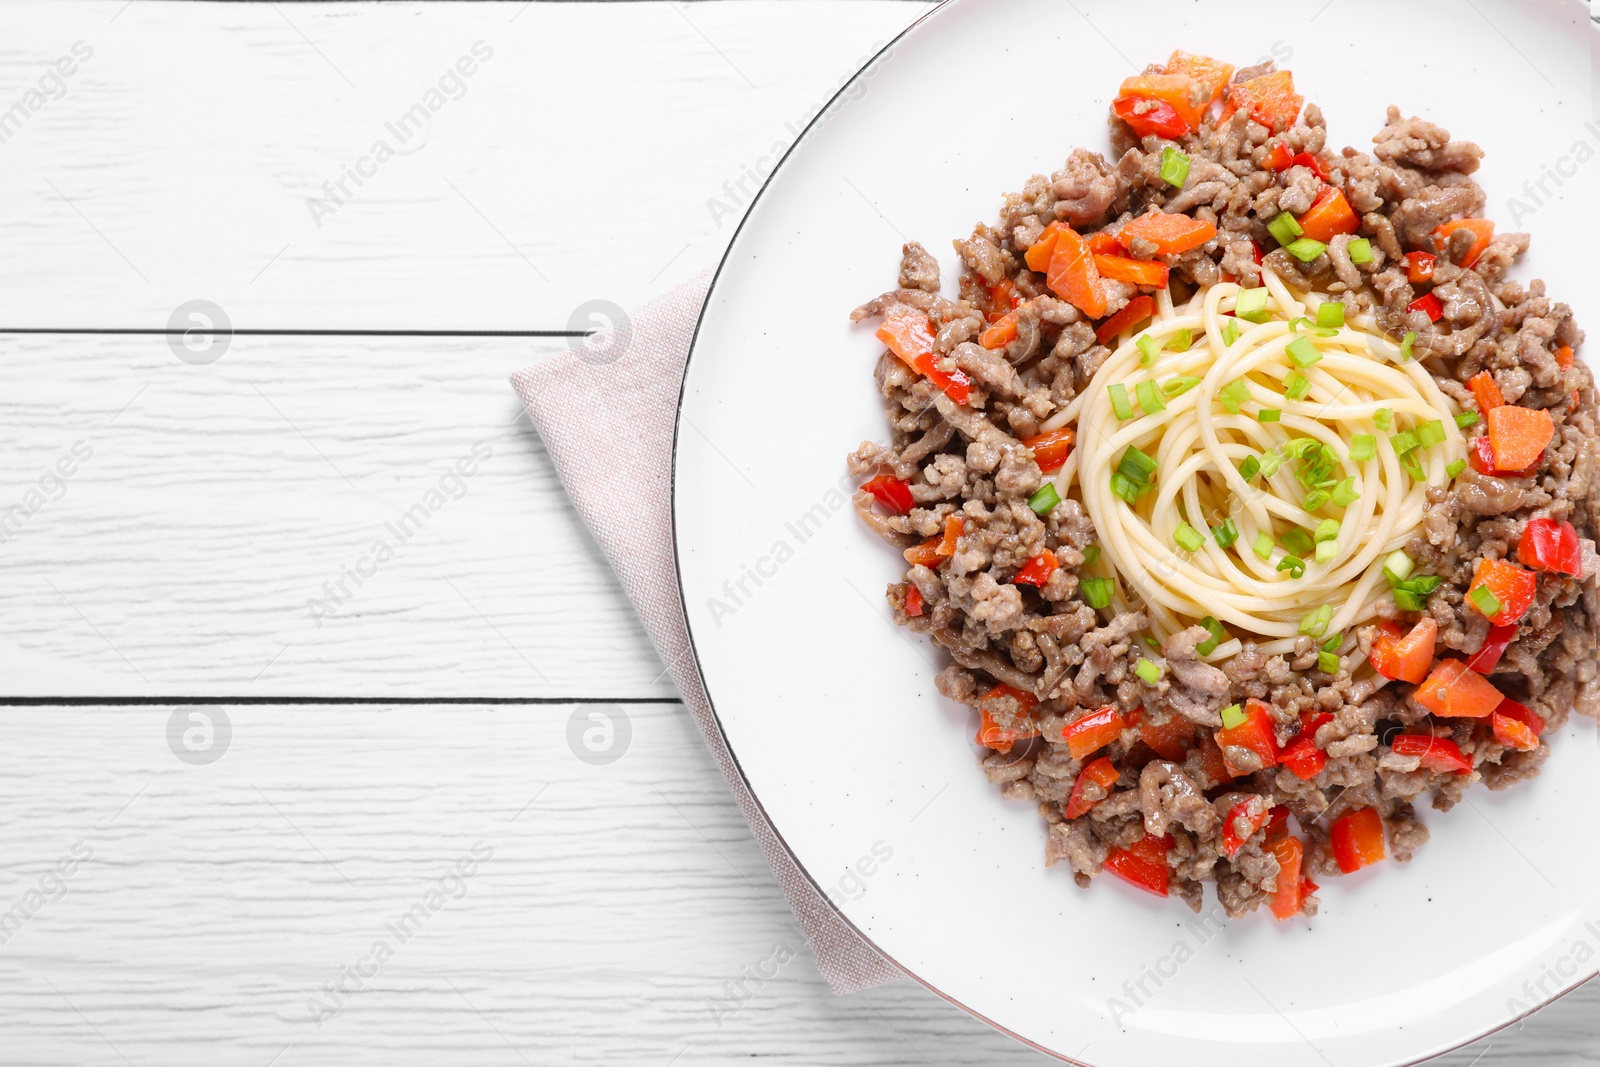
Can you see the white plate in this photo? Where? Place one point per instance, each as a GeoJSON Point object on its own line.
{"type": "Point", "coordinates": [831, 711]}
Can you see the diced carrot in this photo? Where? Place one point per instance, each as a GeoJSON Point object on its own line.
{"type": "Point", "coordinates": [1138, 271]}
{"type": "Point", "coordinates": [1178, 90]}
{"type": "Point", "coordinates": [929, 553]}
{"type": "Point", "coordinates": [1564, 357]}
{"type": "Point", "coordinates": [909, 335]}
{"type": "Point", "coordinates": [1513, 734]}
{"type": "Point", "coordinates": [1038, 257]}
{"type": "Point", "coordinates": [1485, 391]}
{"type": "Point", "coordinates": [1331, 214]}
{"type": "Point", "coordinates": [1519, 436]}
{"type": "Point", "coordinates": [1093, 731]}
{"type": "Point", "coordinates": [1104, 243]}
{"type": "Point", "coordinates": [1271, 100]}
{"type": "Point", "coordinates": [1512, 586]}
{"type": "Point", "coordinates": [1002, 333]}
{"type": "Point", "coordinates": [1209, 75]}
{"type": "Point", "coordinates": [1051, 448]}
{"type": "Point", "coordinates": [1482, 231]}
{"type": "Point", "coordinates": [1291, 896]}
{"type": "Point", "coordinates": [1454, 691]}
{"type": "Point", "coordinates": [1002, 299]}
{"type": "Point", "coordinates": [1403, 656]}
{"type": "Point", "coordinates": [1170, 233]}
{"type": "Point", "coordinates": [1133, 312]}
{"type": "Point", "coordinates": [1073, 276]}
{"type": "Point", "coordinates": [1357, 839]}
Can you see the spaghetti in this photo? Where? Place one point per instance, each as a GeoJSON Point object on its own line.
{"type": "Point", "coordinates": [1263, 471]}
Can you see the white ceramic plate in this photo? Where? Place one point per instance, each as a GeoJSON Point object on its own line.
{"type": "Point", "coordinates": [870, 776]}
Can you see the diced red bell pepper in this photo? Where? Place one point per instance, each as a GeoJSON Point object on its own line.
{"type": "Point", "coordinates": [1404, 656]}
{"type": "Point", "coordinates": [1419, 267]}
{"type": "Point", "coordinates": [1038, 256]}
{"type": "Point", "coordinates": [1277, 824]}
{"type": "Point", "coordinates": [1513, 586]}
{"type": "Point", "coordinates": [1486, 391]}
{"type": "Point", "coordinates": [1051, 448]}
{"type": "Point", "coordinates": [1513, 734]}
{"type": "Point", "coordinates": [1094, 731]}
{"type": "Point", "coordinates": [1170, 740]}
{"type": "Point", "coordinates": [1487, 658]}
{"type": "Point", "coordinates": [1211, 761]}
{"type": "Point", "coordinates": [909, 335]}
{"type": "Point", "coordinates": [1270, 99]}
{"type": "Point", "coordinates": [1551, 545]}
{"type": "Point", "coordinates": [1453, 691]}
{"type": "Point", "coordinates": [991, 734]}
{"type": "Point", "coordinates": [1291, 894]}
{"type": "Point", "coordinates": [1037, 571]}
{"type": "Point", "coordinates": [1519, 435]}
{"type": "Point", "coordinates": [930, 553]}
{"type": "Point", "coordinates": [1357, 839]}
{"type": "Point", "coordinates": [1279, 157]}
{"type": "Point", "coordinates": [1210, 76]}
{"type": "Point", "coordinates": [1143, 864]}
{"type": "Point", "coordinates": [1002, 333]}
{"type": "Point", "coordinates": [1133, 312]}
{"type": "Point", "coordinates": [1255, 734]}
{"type": "Point", "coordinates": [1315, 165]}
{"type": "Point", "coordinates": [1482, 231]}
{"type": "Point", "coordinates": [891, 492]}
{"type": "Point", "coordinates": [1304, 758]}
{"type": "Point", "coordinates": [1480, 454]}
{"type": "Point", "coordinates": [1437, 753]}
{"type": "Point", "coordinates": [913, 600]}
{"type": "Point", "coordinates": [1002, 299]}
{"type": "Point", "coordinates": [1171, 233]}
{"type": "Point", "coordinates": [1138, 271]}
{"type": "Point", "coordinates": [1073, 276]}
{"type": "Point", "coordinates": [1330, 215]}
{"type": "Point", "coordinates": [1521, 713]}
{"type": "Point", "coordinates": [1244, 819]}
{"type": "Point", "coordinates": [1147, 117]}
{"type": "Point", "coordinates": [1177, 90]}
{"type": "Point", "coordinates": [1093, 785]}
{"type": "Point", "coordinates": [1429, 305]}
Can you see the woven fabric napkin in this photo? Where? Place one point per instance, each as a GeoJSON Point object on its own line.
{"type": "Point", "coordinates": [616, 396]}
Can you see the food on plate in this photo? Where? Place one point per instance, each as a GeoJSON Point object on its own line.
{"type": "Point", "coordinates": [1252, 500]}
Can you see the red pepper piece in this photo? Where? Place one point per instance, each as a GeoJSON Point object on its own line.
{"type": "Point", "coordinates": [1037, 571]}
{"type": "Point", "coordinates": [1550, 545]}
{"type": "Point", "coordinates": [1093, 785]}
{"type": "Point", "coordinates": [1051, 449]}
{"type": "Point", "coordinates": [909, 335]}
{"type": "Point", "coordinates": [1419, 267]}
{"type": "Point", "coordinates": [913, 600]}
{"type": "Point", "coordinates": [1514, 587]}
{"type": "Point", "coordinates": [1521, 713]}
{"type": "Point", "coordinates": [1279, 157]}
{"type": "Point", "coordinates": [1487, 658]}
{"type": "Point", "coordinates": [1094, 731]}
{"type": "Point", "coordinates": [892, 493]}
{"type": "Point", "coordinates": [1513, 734]}
{"type": "Point", "coordinates": [1430, 305]}
{"type": "Point", "coordinates": [1244, 819]}
{"type": "Point", "coordinates": [1314, 164]}
{"type": "Point", "coordinates": [1437, 753]}
{"type": "Point", "coordinates": [930, 553]}
{"type": "Point", "coordinates": [1143, 864]}
{"type": "Point", "coordinates": [1255, 734]}
{"type": "Point", "coordinates": [1291, 895]}
{"type": "Point", "coordinates": [1170, 740]}
{"type": "Point", "coordinates": [990, 733]}
{"type": "Point", "coordinates": [1357, 839]}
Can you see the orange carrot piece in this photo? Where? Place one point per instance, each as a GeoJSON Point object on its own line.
{"type": "Point", "coordinates": [1513, 587]}
{"type": "Point", "coordinates": [1454, 691]}
{"type": "Point", "coordinates": [1565, 357]}
{"type": "Point", "coordinates": [1271, 100]}
{"type": "Point", "coordinates": [1485, 391]}
{"type": "Point", "coordinates": [1210, 75]}
{"type": "Point", "coordinates": [1073, 276]}
{"type": "Point", "coordinates": [1170, 233]}
{"type": "Point", "coordinates": [1104, 244]}
{"type": "Point", "coordinates": [1404, 656]}
{"type": "Point", "coordinates": [1138, 271]}
{"type": "Point", "coordinates": [1519, 436]}
{"type": "Point", "coordinates": [1038, 257]}
{"type": "Point", "coordinates": [1482, 230]}
{"type": "Point", "coordinates": [1002, 333]}
{"type": "Point", "coordinates": [1330, 215]}
{"type": "Point", "coordinates": [1176, 89]}
{"type": "Point", "coordinates": [1133, 312]}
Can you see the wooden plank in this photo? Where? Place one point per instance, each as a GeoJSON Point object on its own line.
{"type": "Point", "coordinates": [212, 540]}
{"type": "Point", "coordinates": [606, 910]}
{"type": "Point", "coordinates": [186, 157]}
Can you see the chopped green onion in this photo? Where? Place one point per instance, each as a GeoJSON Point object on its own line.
{"type": "Point", "coordinates": [1328, 663]}
{"type": "Point", "coordinates": [1330, 314]}
{"type": "Point", "coordinates": [1270, 462]}
{"type": "Point", "coordinates": [1294, 565]}
{"type": "Point", "coordinates": [1232, 717]}
{"type": "Point", "coordinates": [1317, 499]}
{"type": "Point", "coordinates": [1150, 351]}
{"type": "Point", "coordinates": [1149, 397]}
{"type": "Point", "coordinates": [1326, 551]}
{"type": "Point", "coordinates": [1302, 352]}
{"type": "Point", "coordinates": [1091, 555]}
{"type": "Point", "coordinates": [1296, 386]}
{"type": "Point", "coordinates": [1151, 641]}
{"type": "Point", "coordinates": [1344, 494]}
{"type": "Point", "coordinates": [1135, 464]}
{"type": "Point", "coordinates": [1269, 415]}
{"type": "Point", "coordinates": [1263, 545]}
{"type": "Point", "coordinates": [1332, 643]}
{"type": "Point", "coordinates": [1119, 401]}
{"type": "Point", "coordinates": [1302, 447]}
{"type": "Point", "coordinates": [1406, 600]}
{"type": "Point", "coordinates": [1425, 584]}
{"type": "Point", "coordinates": [1398, 567]}
{"type": "Point", "coordinates": [1327, 530]}
{"type": "Point", "coordinates": [1383, 418]}
{"type": "Point", "coordinates": [1305, 249]}
{"type": "Point", "coordinates": [1181, 341]}
{"type": "Point", "coordinates": [1233, 394]}
{"type": "Point", "coordinates": [1484, 600]}
{"type": "Point", "coordinates": [1311, 327]}
{"type": "Point", "coordinates": [1412, 466]}
{"type": "Point", "coordinates": [1188, 538]}
{"type": "Point", "coordinates": [1045, 499]}
{"type": "Point", "coordinates": [1230, 332]}
{"type": "Point", "coordinates": [1179, 386]}
{"type": "Point", "coordinates": [1363, 446]}
{"type": "Point", "coordinates": [1285, 229]}
{"type": "Point", "coordinates": [1249, 468]}
{"type": "Point", "coordinates": [1430, 434]}
{"type": "Point", "coordinates": [1127, 488]}
{"type": "Point", "coordinates": [1297, 541]}
{"type": "Point", "coordinates": [1405, 441]}
{"type": "Point", "coordinates": [1405, 346]}
{"type": "Point", "coordinates": [1466, 419]}
{"type": "Point", "coordinates": [1174, 167]}
{"type": "Point", "coordinates": [1316, 623]}
{"type": "Point", "coordinates": [1218, 635]}
{"type": "Point", "coordinates": [1455, 468]}
{"type": "Point", "coordinates": [1360, 250]}
{"type": "Point", "coordinates": [1251, 305]}
{"type": "Point", "coordinates": [1097, 591]}
{"type": "Point", "coordinates": [1150, 672]}
{"type": "Point", "coordinates": [1227, 533]}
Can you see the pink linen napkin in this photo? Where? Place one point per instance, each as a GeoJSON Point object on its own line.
{"type": "Point", "coordinates": [618, 394]}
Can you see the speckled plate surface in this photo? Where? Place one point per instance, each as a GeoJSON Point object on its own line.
{"type": "Point", "coordinates": [870, 777]}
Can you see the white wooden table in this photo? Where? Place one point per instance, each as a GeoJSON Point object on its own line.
{"type": "Point", "coordinates": [416, 722]}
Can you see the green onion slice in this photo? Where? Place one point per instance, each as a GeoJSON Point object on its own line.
{"type": "Point", "coordinates": [1328, 663]}
{"type": "Point", "coordinates": [1150, 672]}
{"type": "Point", "coordinates": [1466, 419]}
{"type": "Point", "coordinates": [1149, 397]}
{"type": "Point", "coordinates": [1305, 249]}
{"type": "Point", "coordinates": [1383, 418]}
{"type": "Point", "coordinates": [1294, 565]}
{"type": "Point", "coordinates": [1249, 468]}
{"type": "Point", "coordinates": [1091, 555]}
{"type": "Point", "coordinates": [1327, 530]}
{"type": "Point", "coordinates": [1174, 167]}
{"type": "Point", "coordinates": [1316, 623]}
{"type": "Point", "coordinates": [1405, 346]}
{"type": "Point", "coordinates": [1297, 541]}
{"type": "Point", "coordinates": [1097, 591]}
{"type": "Point", "coordinates": [1181, 341]}
{"type": "Point", "coordinates": [1360, 250]}
{"type": "Point", "coordinates": [1284, 229]}
{"type": "Point", "coordinates": [1296, 386]}
{"type": "Point", "coordinates": [1234, 394]}
{"type": "Point", "coordinates": [1345, 494]}
{"type": "Point", "coordinates": [1218, 635]}
{"type": "Point", "coordinates": [1149, 350]}
{"type": "Point", "coordinates": [1232, 717]}
{"type": "Point", "coordinates": [1302, 352]}
{"type": "Point", "coordinates": [1330, 314]}
{"type": "Point", "coordinates": [1263, 545]}
{"type": "Point", "coordinates": [1363, 446]}
{"type": "Point", "coordinates": [1326, 551]}
{"type": "Point", "coordinates": [1179, 386]}
{"type": "Point", "coordinates": [1430, 434]}
{"type": "Point", "coordinates": [1251, 305]}
{"type": "Point", "coordinates": [1045, 499]}
{"type": "Point", "coordinates": [1119, 401]}
{"type": "Point", "coordinates": [1188, 538]}
{"type": "Point", "coordinates": [1227, 533]}
{"type": "Point", "coordinates": [1269, 415]}
{"type": "Point", "coordinates": [1455, 468]}
{"type": "Point", "coordinates": [1270, 462]}
{"type": "Point", "coordinates": [1484, 600]}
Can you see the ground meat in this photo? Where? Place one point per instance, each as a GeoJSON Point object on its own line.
{"type": "Point", "coordinates": [1041, 665]}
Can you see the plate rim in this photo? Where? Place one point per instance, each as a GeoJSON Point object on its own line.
{"type": "Point", "coordinates": [694, 651]}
